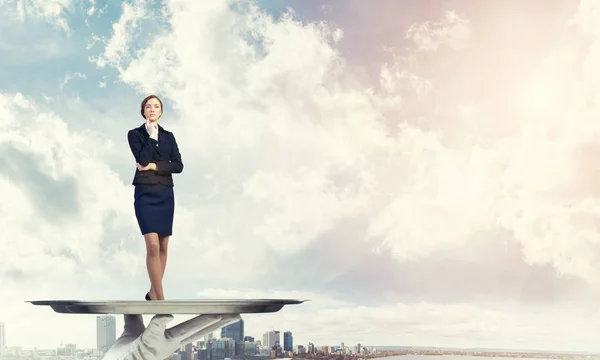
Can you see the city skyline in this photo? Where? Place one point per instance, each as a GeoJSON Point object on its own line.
{"type": "Point", "coordinates": [105, 329]}
{"type": "Point", "coordinates": [107, 334]}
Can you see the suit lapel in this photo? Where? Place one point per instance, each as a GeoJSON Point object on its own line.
{"type": "Point", "coordinates": [162, 136]}
{"type": "Point", "coordinates": [161, 139]}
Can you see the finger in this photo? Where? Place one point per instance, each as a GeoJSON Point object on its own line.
{"type": "Point", "coordinates": [227, 319]}
{"type": "Point", "coordinates": [156, 328]}
{"type": "Point", "coordinates": [191, 326]}
{"type": "Point", "coordinates": [160, 321]}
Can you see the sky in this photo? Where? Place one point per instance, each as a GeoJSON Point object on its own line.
{"type": "Point", "coordinates": [425, 172]}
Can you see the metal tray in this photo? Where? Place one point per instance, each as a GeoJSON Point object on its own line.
{"type": "Point", "coordinates": [196, 307]}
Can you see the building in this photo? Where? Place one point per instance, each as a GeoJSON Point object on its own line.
{"type": "Point", "coordinates": [221, 349]}
{"type": "Point", "coordinates": [288, 341]}
{"type": "Point", "coordinates": [2, 340]}
{"type": "Point", "coordinates": [106, 332]}
{"type": "Point", "coordinates": [271, 339]}
{"type": "Point", "coordinates": [205, 352]}
{"type": "Point", "coordinates": [202, 354]}
{"type": "Point", "coordinates": [67, 350]}
{"type": "Point", "coordinates": [250, 348]}
{"type": "Point", "coordinates": [188, 352]}
{"type": "Point", "coordinates": [234, 331]}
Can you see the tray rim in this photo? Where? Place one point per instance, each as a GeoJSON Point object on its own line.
{"type": "Point", "coordinates": [179, 307]}
{"type": "Point", "coordinates": [201, 302]}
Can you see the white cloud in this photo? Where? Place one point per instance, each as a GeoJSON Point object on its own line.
{"type": "Point", "coordinates": [52, 11]}
{"type": "Point", "coordinates": [50, 148]}
{"type": "Point", "coordinates": [272, 99]}
{"type": "Point", "coordinates": [453, 30]}
{"type": "Point", "coordinates": [92, 9]}
{"type": "Point", "coordinates": [69, 77]}
{"type": "Point", "coordinates": [116, 48]}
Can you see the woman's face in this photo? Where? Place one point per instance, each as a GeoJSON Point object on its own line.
{"type": "Point", "coordinates": [152, 110]}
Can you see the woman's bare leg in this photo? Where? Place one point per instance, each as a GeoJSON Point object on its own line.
{"type": "Point", "coordinates": [164, 249]}
{"type": "Point", "coordinates": [154, 266]}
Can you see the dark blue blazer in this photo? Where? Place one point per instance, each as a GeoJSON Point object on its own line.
{"type": "Point", "coordinates": [164, 153]}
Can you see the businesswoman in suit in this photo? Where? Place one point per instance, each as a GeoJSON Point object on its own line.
{"type": "Point", "coordinates": [157, 158]}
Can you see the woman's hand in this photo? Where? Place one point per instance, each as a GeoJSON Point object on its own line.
{"type": "Point", "coordinates": [150, 166]}
{"type": "Point", "coordinates": [152, 129]}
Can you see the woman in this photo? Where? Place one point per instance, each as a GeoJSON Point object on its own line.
{"type": "Point", "coordinates": [157, 158]}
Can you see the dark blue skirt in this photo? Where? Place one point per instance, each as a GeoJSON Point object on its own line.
{"type": "Point", "coordinates": [154, 208]}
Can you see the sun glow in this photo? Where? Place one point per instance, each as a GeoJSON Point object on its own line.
{"type": "Point", "coordinates": [541, 97]}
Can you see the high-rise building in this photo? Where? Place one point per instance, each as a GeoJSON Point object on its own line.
{"type": "Point", "coordinates": [222, 348]}
{"type": "Point", "coordinates": [2, 340]}
{"type": "Point", "coordinates": [271, 338]}
{"type": "Point", "coordinates": [106, 332]}
{"type": "Point", "coordinates": [288, 341]}
{"type": "Point", "coordinates": [206, 351]}
{"type": "Point", "coordinates": [234, 331]}
{"type": "Point", "coordinates": [189, 352]}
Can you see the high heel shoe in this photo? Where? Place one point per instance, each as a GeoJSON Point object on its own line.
{"type": "Point", "coordinates": [148, 296]}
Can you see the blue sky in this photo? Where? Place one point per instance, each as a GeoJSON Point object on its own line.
{"type": "Point", "coordinates": [423, 171]}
